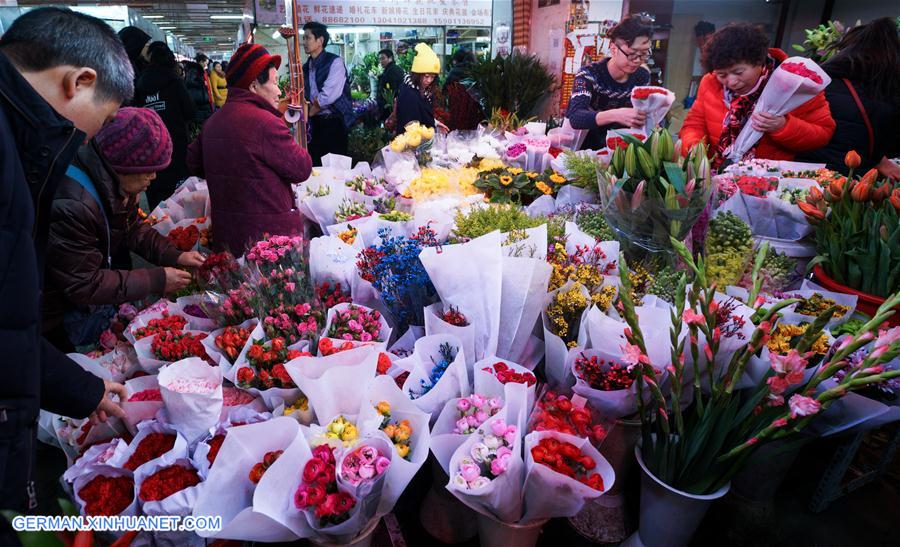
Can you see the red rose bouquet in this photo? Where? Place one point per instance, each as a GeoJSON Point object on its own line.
{"type": "Point", "coordinates": [556, 412]}
{"type": "Point", "coordinates": [149, 448]}
{"type": "Point", "coordinates": [162, 324]}
{"type": "Point", "coordinates": [184, 237]}
{"type": "Point", "coordinates": [331, 294]}
{"type": "Point", "coordinates": [258, 470]}
{"type": "Point", "coordinates": [793, 83]}
{"type": "Point", "coordinates": [107, 496]}
{"type": "Point", "coordinates": [266, 370]}
{"type": "Point", "coordinates": [641, 93]}
{"type": "Point", "coordinates": [174, 346]}
{"type": "Point", "coordinates": [318, 492]}
{"type": "Point", "coordinates": [506, 374]}
{"type": "Point", "coordinates": [567, 459]}
{"type": "Point", "coordinates": [327, 347]}
{"type": "Point", "coordinates": [232, 341]}
{"type": "Point", "coordinates": [167, 481]}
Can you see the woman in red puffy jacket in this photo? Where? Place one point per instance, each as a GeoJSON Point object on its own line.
{"type": "Point", "coordinates": [739, 65]}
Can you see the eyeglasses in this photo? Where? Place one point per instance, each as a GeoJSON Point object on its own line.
{"type": "Point", "coordinates": [635, 55]}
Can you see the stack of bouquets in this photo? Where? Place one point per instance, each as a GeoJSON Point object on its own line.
{"type": "Point", "coordinates": [335, 480]}
{"type": "Point", "coordinates": [650, 192]}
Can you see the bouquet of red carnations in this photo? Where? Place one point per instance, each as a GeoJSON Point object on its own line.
{"type": "Point", "coordinates": [105, 491]}
{"type": "Point", "coordinates": [654, 101]}
{"type": "Point", "coordinates": [793, 83]}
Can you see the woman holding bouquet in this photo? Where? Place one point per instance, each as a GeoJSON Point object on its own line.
{"type": "Point", "coordinates": [739, 65]}
{"type": "Point", "coordinates": [94, 216]}
{"type": "Point", "coordinates": [420, 90]}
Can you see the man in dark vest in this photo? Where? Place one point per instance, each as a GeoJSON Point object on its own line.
{"type": "Point", "coordinates": [328, 92]}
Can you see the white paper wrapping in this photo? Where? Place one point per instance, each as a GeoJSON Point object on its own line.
{"type": "Point", "coordinates": [453, 383]}
{"type": "Point", "coordinates": [228, 491]}
{"type": "Point", "coordinates": [783, 93]}
{"type": "Point", "coordinates": [469, 276]}
{"type": "Point", "coordinates": [335, 384]}
{"type": "Point", "coordinates": [191, 413]}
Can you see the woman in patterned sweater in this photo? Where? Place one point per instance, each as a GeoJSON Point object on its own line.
{"type": "Point", "coordinates": [601, 93]}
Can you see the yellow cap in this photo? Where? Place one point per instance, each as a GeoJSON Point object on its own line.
{"type": "Point", "coordinates": [426, 61]}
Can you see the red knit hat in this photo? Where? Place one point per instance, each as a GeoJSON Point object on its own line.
{"type": "Point", "coordinates": [136, 141]}
{"type": "Point", "coordinates": [247, 63]}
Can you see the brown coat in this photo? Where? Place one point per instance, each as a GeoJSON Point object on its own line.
{"type": "Point", "coordinates": [78, 269]}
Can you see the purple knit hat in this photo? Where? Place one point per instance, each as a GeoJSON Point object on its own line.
{"type": "Point", "coordinates": [136, 141]}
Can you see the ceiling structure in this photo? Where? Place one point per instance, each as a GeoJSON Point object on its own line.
{"type": "Point", "coordinates": [206, 25]}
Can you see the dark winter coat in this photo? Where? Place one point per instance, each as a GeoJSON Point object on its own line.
{"type": "Point", "coordinates": [78, 269]}
{"type": "Point", "coordinates": [851, 132]}
{"type": "Point", "coordinates": [413, 107]}
{"type": "Point", "coordinates": [250, 160]}
{"type": "Point", "coordinates": [161, 89]}
{"type": "Point", "coordinates": [36, 145]}
{"type": "Point", "coordinates": [391, 79]}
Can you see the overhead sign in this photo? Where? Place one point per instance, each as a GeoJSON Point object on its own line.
{"type": "Point", "coordinates": [422, 13]}
{"type": "Point", "coordinates": [270, 12]}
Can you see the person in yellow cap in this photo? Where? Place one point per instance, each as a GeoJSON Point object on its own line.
{"type": "Point", "coordinates": [420, 90]}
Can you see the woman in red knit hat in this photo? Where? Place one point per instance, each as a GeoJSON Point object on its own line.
{"type": "Point", "coordinates": [95, 218]}
{"type": "Point", "coordinates": [248, 157]}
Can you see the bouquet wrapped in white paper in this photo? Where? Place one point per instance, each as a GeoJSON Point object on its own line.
{"type": "Point", "coordinates": [192, 393]}
{"type": "Point", "coordinates": [654, 101]}
{"type": "Point", "coordinates": [231, 486]}
{"type": "Point", "coordinates": [794, 82]}
{"type": "Point", "coordinates": [439, 373]}
{"type": "Point", "coordinates": [469, 276]}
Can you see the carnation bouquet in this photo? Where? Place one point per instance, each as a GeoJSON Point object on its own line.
{"type": "Point", "coordinates": [793, 82]}
{"type": "Point", "coordinates": [653, 101]}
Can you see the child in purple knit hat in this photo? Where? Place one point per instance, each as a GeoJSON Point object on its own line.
{"type": "Point", "coordinates": [94, 221]}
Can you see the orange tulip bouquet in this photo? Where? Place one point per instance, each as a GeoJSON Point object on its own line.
{"type": "Point", "coordinates": [857, 227]}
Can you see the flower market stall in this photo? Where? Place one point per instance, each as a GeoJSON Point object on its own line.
{"type": "Point", "coordinates": [487, 311]}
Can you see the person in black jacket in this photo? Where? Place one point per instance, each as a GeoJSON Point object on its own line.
{"type": "Point", "coordinates": [160, 89]}
{"type": "Point", "coordinates": [868, 65]}
{"type": "Point", "coordinates": [62, 75]}
{"type": "Point", "coordinates": [388, 83]}
{"type": "Point", "coordinates": [195, 80]}
{"type": "Point", "coordinates": [137, 45]}
{"type": "Point", "coordinates": [420, 90]}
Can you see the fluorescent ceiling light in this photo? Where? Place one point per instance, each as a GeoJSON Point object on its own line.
{"type": "Point", "coordinates": [166, 28]}
{"type": "Point", "coordinates": [351, 30]}
{"type": "Point", "coordinates": [235, 17]}
{"type": "Point", "coordinates": [152, 16]}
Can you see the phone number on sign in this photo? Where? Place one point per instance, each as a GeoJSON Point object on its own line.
{"type": "Point", "coordinates": [164, 523]}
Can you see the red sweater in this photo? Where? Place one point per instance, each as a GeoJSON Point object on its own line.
{"type": "Point", "coordinates": [808, 127]}
{"type": "Point", "coordinates": [249, 159]}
